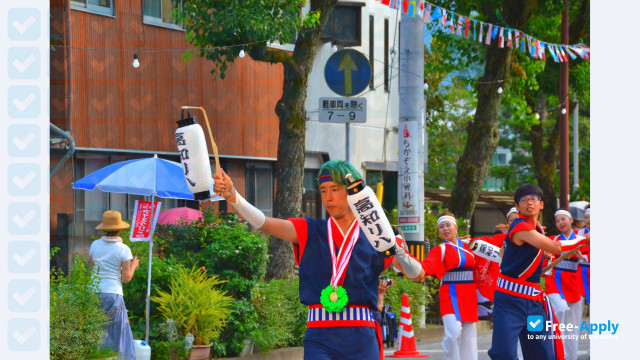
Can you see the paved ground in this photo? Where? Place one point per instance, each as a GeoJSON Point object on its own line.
{"type": "Point", "coordinates": [433, 348]}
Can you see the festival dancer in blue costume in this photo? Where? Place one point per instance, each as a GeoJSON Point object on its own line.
{"type": "Point", "coordinates": [332, 254]}
{"type": "Point", "coordinates": [518, 295]}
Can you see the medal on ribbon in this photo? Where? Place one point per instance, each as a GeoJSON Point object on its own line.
{"type": "Point", "coordinates": [334, 297]}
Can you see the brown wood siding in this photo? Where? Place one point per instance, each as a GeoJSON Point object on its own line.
{"type": "Point", "coordinates": [118, 106]}
{"type": "Point", "coordinates": [114, 105]}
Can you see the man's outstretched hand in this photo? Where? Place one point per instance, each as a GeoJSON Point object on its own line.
{"type": "Point", "coordinates": [224, 186]}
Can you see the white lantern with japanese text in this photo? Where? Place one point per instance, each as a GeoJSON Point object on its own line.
{"type": "Point", "coordinates": [194, 157]}
{"type": "Point", "coordinates": [485, 250]}
{"type": "Point", "coordinates": [370, 215]}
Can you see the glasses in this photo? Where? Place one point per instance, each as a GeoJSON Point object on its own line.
{"type": "Point", "coordinates": [532, 199]}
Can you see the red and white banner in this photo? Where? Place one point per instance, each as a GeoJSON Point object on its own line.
{"type": "Point", "coordinates": [142, 227]}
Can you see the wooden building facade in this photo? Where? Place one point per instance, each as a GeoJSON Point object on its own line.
{"type": "Point", "coordinates": [114, 111]}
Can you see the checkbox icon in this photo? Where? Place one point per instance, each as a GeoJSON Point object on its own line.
{"type": "Point", "coordinates": [24, 24]}
{"type": "Point", "coordinates": [23, 257]}
{"type": "Point", "coordinates": [24, 179]}
{"type": "Point", "coordinates": [535, 323]}
{"type": "Point", "coordinates": [24, 218]}
{"type": "Point", "coordinates": [24, 295]}
{"type": "Point", "coordinates": [24, 102]}
{"type": "Point", "coordinates": [23, 141]}
{"type": "Point", "coordinates": [23, 334]}
{"type": "Point", "coordinates": [24, 63]}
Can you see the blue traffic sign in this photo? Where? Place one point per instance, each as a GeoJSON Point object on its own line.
{"type": "Point", "coordinates": [347, 72]}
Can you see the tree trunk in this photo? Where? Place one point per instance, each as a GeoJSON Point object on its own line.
{"type": "Point", "coordinates": [483, 135]}
{"type": "Point", "coordinates": [544, 164]}
{"type": "Point", "coordinates": [292, 116]}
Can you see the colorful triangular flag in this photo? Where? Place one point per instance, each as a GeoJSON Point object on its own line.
{"type": "Point", "coordinates": [488, 39]}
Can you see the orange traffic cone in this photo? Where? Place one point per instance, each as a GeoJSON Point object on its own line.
{"type": "Point", "coordinates": [407, 343]}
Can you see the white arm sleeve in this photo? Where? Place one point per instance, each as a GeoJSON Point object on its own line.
{"type": "Point", "coordinates": [253, 216]}
{"type": "Point", "coordinates": [410, 266]}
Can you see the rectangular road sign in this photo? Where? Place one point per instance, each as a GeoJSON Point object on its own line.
{"type": "Point", "coordinates": [343, 110]}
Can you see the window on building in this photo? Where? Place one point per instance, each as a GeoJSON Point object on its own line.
{"type": "Point", "coordinates": [259, 180]}
{"type": "Point", "coordinates": [371, 43]}
{"type": "Point", "coordinates": [96, 6]}
{"type": "Point", "coordinates": [159, 12]}
{"type": "Point", "coordinates": [311, 201]}
{"type": "Point", "coordinates": [386, 54]}
{"type": "Point", "coordinates": [344, 25]}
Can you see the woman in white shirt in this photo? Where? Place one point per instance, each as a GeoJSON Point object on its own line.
{"type": "Point", "coordinates": [114, 264]}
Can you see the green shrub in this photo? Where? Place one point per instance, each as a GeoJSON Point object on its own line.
{"type": "Point", "coordinates": [282, 319]}
{"type": "Point", "coordinates": [76, 320]}
{"type": "Point", "coordinates": [171, 345]}
{"type": "Point", "coordinates": [195, 304]}
{"type": "Point", "coordinates": [226, 248]}
{"type": "Point", "coordinates": [135, 292]}
{"type": "Point", "coordinates": [417, 293]}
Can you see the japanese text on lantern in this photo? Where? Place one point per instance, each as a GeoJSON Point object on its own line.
{"type": "Point", "coordinates": [370, 219]}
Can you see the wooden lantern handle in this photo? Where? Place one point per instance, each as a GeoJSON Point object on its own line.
{"type": "Point", "coordinates": [213, 143]}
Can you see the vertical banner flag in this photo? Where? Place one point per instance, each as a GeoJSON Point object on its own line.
{"type": "Point", "coordinates": [451, 28]}
{"type": "Point", "coordinates": [523, 44]}
{"type": "Point", "coordinates": [427, 14]}
{"type": "Point", "coordinates": [480, 34]}
{"type": "Point", "coordinates": [408, 216]}
{"type": "Point", "coordinates": [405, 6]}
{"type": "Point", "coordinates": [553, 53]}
{"type": "Point", "coordinates": [466, 27]}
{"type": "Point", "coordinates": [459, 26]}
{"type": "Point", "coordinates": [532, 47]}
{"type": "Point", "coordinates": [573, 57]}
{"type": "Point", "coordinates": [143, 227]}
{"type": "Point", "coordinates": [475, 22]}
{"type": "Point", "coordinates": [444, 17]}
{"type": "Point", "coordinates": [501, 38]}
{"type": "Point", "coordinates": [413, 8]}
{"type": "Point", "coordinates": [509, 39]}
{"type": "Point", "coordinates": [494, 33]}
{"type": "Point", "coordinates": [488, 40]}
{"type": "Point", "coordinates": [541, 51]}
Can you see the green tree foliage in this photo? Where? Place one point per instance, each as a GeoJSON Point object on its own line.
{"type": "Point", "coordinates": [215, 25]}
{"type": "Point", "coordinates": [529, 80]}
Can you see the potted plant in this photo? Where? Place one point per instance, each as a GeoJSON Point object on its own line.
{"type": "Point", "coordinates": [197, 307]}
{"type": "Point", "coordinates": [171, 345]}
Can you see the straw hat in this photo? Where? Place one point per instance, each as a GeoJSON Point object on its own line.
{"type": "Point", "coordinates": [112, 221]}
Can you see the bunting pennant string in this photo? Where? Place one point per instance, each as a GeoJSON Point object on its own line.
{"type": "Point", "coordinates": [514, 38]}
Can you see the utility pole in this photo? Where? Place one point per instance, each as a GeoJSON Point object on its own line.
{"type": "Point", "coordinates": [564, 118]}
{"type": "Point", "coordinates": [411, 135]}
{"type": "Point", "coordinates": [576, 149]}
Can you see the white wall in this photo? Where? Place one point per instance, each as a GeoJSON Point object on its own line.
{"type": "Point", "coordinates": [366, 141]}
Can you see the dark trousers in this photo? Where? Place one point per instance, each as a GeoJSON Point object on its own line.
{"type": "Point", "coordinates": [510, 315]}
{"type": "Point", "coordinates": [341, 343]}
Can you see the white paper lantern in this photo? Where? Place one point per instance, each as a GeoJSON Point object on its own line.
{"type": "Point", "coordinates": [194, 157]}
{"type": "Point", "coordinates": [370, 215]}
{"type": "Point", "coordinates": [486, 250]}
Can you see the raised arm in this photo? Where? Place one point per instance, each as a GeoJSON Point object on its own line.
{"type": "Point", "coordinates": [282, 229]}
{"type": "Point", "coordinates": [542, 242]}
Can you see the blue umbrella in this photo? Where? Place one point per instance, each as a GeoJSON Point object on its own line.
{"type": "Point", "coordinates": [148, 177]}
